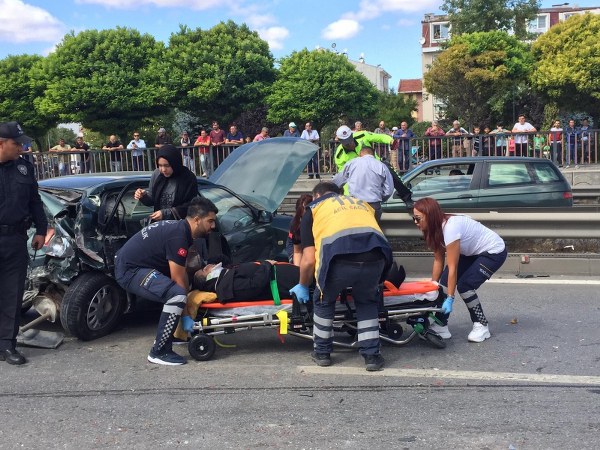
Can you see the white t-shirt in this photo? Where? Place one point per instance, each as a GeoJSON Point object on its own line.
{"type": "Point", "coordinates": [522, 138]}
{"type": "Point", "coordinates": [475, 239]}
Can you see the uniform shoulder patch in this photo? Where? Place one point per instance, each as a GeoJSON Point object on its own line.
{"type": "Point", "coordinates": [182, 252]}
{"type": "Point", "coordinates": [22, 169]}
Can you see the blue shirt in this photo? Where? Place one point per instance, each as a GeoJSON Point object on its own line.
{"type": "Point", "coordinates": [368, 179]}
{"type": "Point", "coordinates": [157, 244]}
{"type": "Point", "coordinates": [404, 138]}
{"type": "Point", "coordinates": [287, 133]}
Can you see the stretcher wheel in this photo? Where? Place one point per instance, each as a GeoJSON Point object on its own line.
{"type": "Point", "coordinates": [393, 330]}
{"type": "Point", "coordinates": [434, 339]}
{"type": "Point", "coordinates": [202, 347]}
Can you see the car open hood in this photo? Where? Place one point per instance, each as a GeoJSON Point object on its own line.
{"type": "Point", "coordinates": [265, 171]}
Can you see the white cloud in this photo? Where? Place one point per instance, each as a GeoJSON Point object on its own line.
{"type": "Point", "coordinates": [131, 4]}
{"type": "Point", "coordinates": [371, 9]}
{"type": "Point", "coordinates": [341, 29]}
{"type": "Point", "coordinates": [26, 23]}
{"type": "Point", "coordinates": [274, 36]}
{"type": "Point", "coordinates": [259, 20]}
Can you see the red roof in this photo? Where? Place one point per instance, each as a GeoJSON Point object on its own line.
{"type": "Point", "coordinates": [410, 86]}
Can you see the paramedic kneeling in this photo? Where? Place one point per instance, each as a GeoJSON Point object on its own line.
{"type": "Point", "coordinates": [342, 246]}
{"type": "Point", "coordinates": [152, 265]}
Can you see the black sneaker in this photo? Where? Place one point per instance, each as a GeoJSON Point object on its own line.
{"type": "Point", "coordinates": [321, 359]}
{"type": "Point", "coordinates": [166, 358]}
{"type": "Point", "coordinates": [374, 362]}
{"type": "Point", "coordinates": [310, 177]}
{"type": "Point", "coordinates": [317, 176]}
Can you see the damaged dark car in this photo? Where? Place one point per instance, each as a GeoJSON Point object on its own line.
{"type": "Point", "coordinates": [92, 216]}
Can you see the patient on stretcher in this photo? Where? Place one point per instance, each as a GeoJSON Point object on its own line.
{"type": "Point", "coordinates": [247, 281]}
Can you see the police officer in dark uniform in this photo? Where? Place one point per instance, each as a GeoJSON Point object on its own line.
{"type": "Point", "coordinates": [151, 265]}
{"type": "Point", "coordinates": [20, 204]}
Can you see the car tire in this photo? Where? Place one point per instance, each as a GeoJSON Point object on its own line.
{"type": "Point", "coordinates": [92, 306]}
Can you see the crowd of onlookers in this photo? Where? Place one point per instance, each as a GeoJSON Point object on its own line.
{"type": "Point", "coordinates": [566, 145]}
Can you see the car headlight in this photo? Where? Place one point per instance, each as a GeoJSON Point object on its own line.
{"type": "Point", "coordinates": [60, 245]}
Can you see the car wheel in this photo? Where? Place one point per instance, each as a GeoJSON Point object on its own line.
{"type": "Point", "coordinates": [202, 347]}
{"type": "Point", "coordinates": [92, 306]}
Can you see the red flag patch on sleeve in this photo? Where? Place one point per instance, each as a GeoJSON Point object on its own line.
{"type": "Point", "coordinates": [182, 252]}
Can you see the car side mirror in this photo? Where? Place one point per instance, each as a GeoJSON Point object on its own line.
{"type": "Point", "coordinates": [265, 217]}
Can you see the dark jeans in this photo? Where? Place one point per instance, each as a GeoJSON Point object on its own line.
{"type": "Point", "coordinates": [471, 273]}
{"type": "Point", "coordinates": [404, 157]}
{"type": "Point", "coordinates": [313, 165]}
{"type": "Point", "coordinates": [521, 149]}
{"type": "Point", "coordinates": [13, 261]}
{"type": "Point", "coordinates": [364, 279]}
{"type": "Point", "coordinates": [435, 151]}
{"type": "Point", "coordinates": [151, 284]}
{"type": "Point", "coordinates": [137, 162]}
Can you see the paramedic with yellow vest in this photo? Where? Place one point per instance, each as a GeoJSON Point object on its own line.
{"type": "Point", "coordinates": [351, 144]}
{"type": "Point", "coordinates": [342, 246]}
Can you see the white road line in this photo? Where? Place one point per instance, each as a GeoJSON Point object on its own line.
{"type": "Point", "coordinates": [543, 280]}
{"type": "Point", "coordinates": [536, 280]}
{"type": "Point", "coordinates": [453, 375]}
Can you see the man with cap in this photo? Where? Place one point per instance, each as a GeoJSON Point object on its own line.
{"type": "Point", "coordinates": [352, 142]}
{"type": "Point", "coordinates": [162, 138]}
{"type": "Point", "coordinates": [172, 186]}
{"type": "Point", "coordinates": [20, 204]}
{"type": "Point", "coordinates": [151, 265]}
{"type": "Point", "coordinates": [292, 131]}
{"type": "Point", "coordinates": [342, 246]}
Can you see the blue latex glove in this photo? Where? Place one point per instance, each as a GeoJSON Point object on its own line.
{"type": "Point", "coordinates": [447, 305]}
{"type": "Point", "coordinates": [301, 293]}
{"type": "Point", "coordinates": [187, 323]}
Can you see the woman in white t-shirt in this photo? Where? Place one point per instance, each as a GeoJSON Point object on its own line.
{"type": "Point", "coordinates": [473, 254]}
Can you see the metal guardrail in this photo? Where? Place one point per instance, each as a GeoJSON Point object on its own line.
{"type": "Point", "coordinates": [575, 223]}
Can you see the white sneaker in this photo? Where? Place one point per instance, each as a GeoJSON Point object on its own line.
{"type": "Point", "coordinates": [443, 331]}
{"type": "Point", "coordinates": [479, 333]}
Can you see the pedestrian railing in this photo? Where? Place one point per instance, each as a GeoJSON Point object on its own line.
{"type": "Point", "coordinates": [563, 148]}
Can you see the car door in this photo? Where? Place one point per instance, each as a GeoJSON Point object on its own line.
{"type": "Point", "coordinates": [249, 236]}
{"type": "Point", "coordinates": [453, 185]}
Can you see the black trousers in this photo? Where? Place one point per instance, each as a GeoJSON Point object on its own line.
{"type": "Point", "coordinates": [13, 269]}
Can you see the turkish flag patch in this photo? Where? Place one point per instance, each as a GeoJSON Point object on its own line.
{"type": "Point", "coordinates": [182, 252]}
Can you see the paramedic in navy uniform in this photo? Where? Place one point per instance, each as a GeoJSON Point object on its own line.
{"type": "Point", "coordinates": [20, 203]}
{"type": "Point", "coordinates": [342, 246]}
{"type": "Point", "coordinates": [152, 265]}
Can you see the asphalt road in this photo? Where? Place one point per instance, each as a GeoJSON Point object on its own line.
{"type": "Point", "coordinates": [534, 385]}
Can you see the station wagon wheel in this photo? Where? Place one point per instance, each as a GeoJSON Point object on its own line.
{"type": "Point", "coordinates": [92, 306]}
{"type": "Point", "coordinates": [202, 347]}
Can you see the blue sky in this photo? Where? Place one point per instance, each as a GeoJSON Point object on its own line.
{"type": "Point", "coordinates": [386, 31]}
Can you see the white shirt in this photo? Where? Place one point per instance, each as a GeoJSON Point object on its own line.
{"type": "Point", "coordinates": [140, 145]}
{"type": "Point", "coordinates": [522, 138]}
{"type": "Point", "coordinates": [312, 136]}
{"type": "Point", "coordinates": [474, 238]}
{"type": "Point", "coordinates": [368, 180]}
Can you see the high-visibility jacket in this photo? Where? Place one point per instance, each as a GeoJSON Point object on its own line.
{"type": "Point", "coordinates": [344, 225]}
{"type": "Point", "coordinates": [367, 138]}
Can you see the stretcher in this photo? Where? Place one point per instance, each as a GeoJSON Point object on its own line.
{"type": "Point", "coordinates": [409, 306]}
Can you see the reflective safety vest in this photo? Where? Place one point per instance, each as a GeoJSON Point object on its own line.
{"type": "Point", "coordinates": [344, 225]}
{"type": "Point", "coordinates": [367, 138]}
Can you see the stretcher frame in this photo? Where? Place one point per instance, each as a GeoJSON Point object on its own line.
{"type": "Point", "coordinates": [295, 319]}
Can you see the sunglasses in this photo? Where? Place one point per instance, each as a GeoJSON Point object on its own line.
{"type": "Point", "coordinates": [417, 219]}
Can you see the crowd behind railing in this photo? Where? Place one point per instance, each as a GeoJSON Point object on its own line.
{"type": "Point", "coordinates": [564, 150]}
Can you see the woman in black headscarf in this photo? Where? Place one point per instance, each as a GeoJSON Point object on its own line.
{"type": "Point", "coordinates": [171, 187]}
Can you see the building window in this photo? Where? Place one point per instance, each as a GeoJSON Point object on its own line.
{"type": "Point", "coordinates": [539, 24]}
{"type": "Point", "coordinates": [440, 31]}
{"type": "Point", "coordinates": [565, 16]}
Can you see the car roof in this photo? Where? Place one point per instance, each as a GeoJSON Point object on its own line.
{"type": "Point", "coordinates": [468, 159]}
{"type": "Point", "coordinates": [87, 181]}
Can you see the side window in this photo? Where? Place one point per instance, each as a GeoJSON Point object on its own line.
{"type": "Point", "coordinates": [503, 174]}
{"type": "Point", "coordinates": [233, 213]}
{"type": "Point", "coordinates": [546, 173]}
{"type": "Point", "coordinates": [443, 178]}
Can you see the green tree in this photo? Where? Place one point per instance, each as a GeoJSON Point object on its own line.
{"type": "Point", "coordinates": [470, 16]}
{"type": "Point", "coordinates": [103, 79]}
{"type": "Point", "coordinates": [393, 109]}
{"type": "Point", "coordinates": [218, 73]}
{"type": "Point", "coordinates": [19, 89]}
{"type": "Point", "coordinates": [567, 69]}
{"type": "Point", "coordinates": [477, 75]}
{"type": "Point", "coordinates": [319, 86]}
